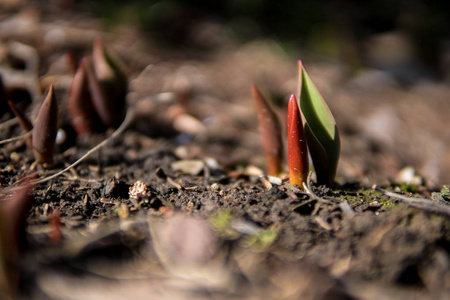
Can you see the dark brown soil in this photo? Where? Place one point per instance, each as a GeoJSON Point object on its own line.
{"type": "Point", "coordinates": [225, 231]}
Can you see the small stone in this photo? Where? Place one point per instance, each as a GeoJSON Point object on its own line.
{"type": "Point", "coordinates": [212, 163]}
{"type": "Point", "coordinates": [375, 204]}
{"type": "Point", "coordinates": [274, 180]}
{"type": "Point", "coordinates": [15, 157]}
{"type": "Point", "coordinates": [182, 152]}
{"type": "Point", "coordinates": [116, 188]}
{"type": "Point", "coordinates": [61, 136]}
{"type": "Point", "coordinates": [253, 171]}
{"type": "Point", "coordinates": [110, 186]}
{"type": "Point", "coordinates": [215, 187]}
{"type": "Point", "coordinates": [189, 124]}
{"type": "Point", "coordinates": [138, 190]}
{"type": "Point", "coordinates": [188, 166]}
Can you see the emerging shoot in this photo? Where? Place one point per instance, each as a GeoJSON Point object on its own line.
{"type": "Point", "coordinates": [79, 104]}
{"type": "Point", "coordinates": [13, 210]}
{"type": "Point", "coordinates": [296, 143]}
{"type": "Point", "coordinates": [45, 129]}
{"type": "Point", "coordinates": [110, 103]}
{"type": "Point", "coordinates": [320, 129]}
{"type": "Point", "coordinates": [269, 128]}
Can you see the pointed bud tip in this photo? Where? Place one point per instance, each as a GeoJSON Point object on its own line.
{"type": "Point", "coordinates": [301, 66]}
{"type": "Point", "coordinates": [45, 129]}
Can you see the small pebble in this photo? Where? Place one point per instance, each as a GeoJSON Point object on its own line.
{"type": "Point", "coordinates": [274, 180]}
{"type": "Point", "coordinates": [215, 187]}
{"type": "Point", "coordinates": [188, 166]}
{"type": "Point", "coordinates": [138, 190]}
{"type": "Point", "coordinates": [15, 157]}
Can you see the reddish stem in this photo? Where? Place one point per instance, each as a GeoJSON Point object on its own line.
{"type": "Point", "coordinates": [79, 104]}
{"type": "Point", "coordinates": [14, 205]}
{"type": "Point", "coordinates": [296, 142]}
{"type": "Point", "coordinates": [269, 128]}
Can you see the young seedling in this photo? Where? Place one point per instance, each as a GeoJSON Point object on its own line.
{"type": "Point", "coordinates": [269, 128]}
{"type": "Point", "coordinates": [320, 129]}
{"type": "Point", "coordinates": [79, 104]}
{"type": "Point", "coordinates": [110, 103]}
{"type": "Point", "coordinates": [45, 128]}
{"type": "Point", "coordinates": [296, 143]}
{"type": "Point", "coordinates": [129, 117]}
{"type": "Point", "coordinates": [13, 209]}
{"type": "Point", "coordinates": [24, 122]}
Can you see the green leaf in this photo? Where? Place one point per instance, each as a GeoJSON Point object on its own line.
{"type": "Point", "coordinates": [320, 129]}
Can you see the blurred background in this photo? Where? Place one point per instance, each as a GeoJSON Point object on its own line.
{"type": "Point", "coordinates": [410, 39]}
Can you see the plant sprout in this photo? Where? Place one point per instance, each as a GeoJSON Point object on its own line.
{"type": "Point", "coordinates": [79, 104]}
{"type": "Point", "coordinates": [14, 205]}
{"type": "Point", "coordinates": [269, 126]}
{"type": "Point", "coordinates": [310, 126]}
{"type": "Point", "coordinates": [110, 104]}
{"type": "Point", "coordinates": [296, 143]}
{"type": "Point", "coordinates": [320, 129]}
{"type": "Point", "coordinates": [98, 91]}
{"type": "Point", "coordinates": [45, 128]}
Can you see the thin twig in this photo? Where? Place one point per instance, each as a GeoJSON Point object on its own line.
{"type": "Point", "coordinates": [9, 123]}
{"type": "Point", "coordinates": [423, 204]}
{"type": "Point", "coordinates": [16, 138]}
{"type": "Point", "coordinates": [308, 190]}
{"type": "Point", "coordinates": [128, 118]}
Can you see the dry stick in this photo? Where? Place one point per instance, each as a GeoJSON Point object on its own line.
{"type": "Point", "coordinates": [417, 203]}
{"type": "Point", "coordinates": [128, 118]}
{"type": "Point", "coordinates": [313, 197]}
{"type": "Point", "coordinates": [9, 123]}
{"type": "Point", "coordinates": [307, 187]}
{"type": "Point", "coordinates": [20, 137]}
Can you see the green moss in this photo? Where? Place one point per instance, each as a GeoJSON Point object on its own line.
{"type": "Point", "coordinates": [406, 187]}
{"type": "Point", "coordinates": [445, 192]}
{"type": "Point", "coordinates": [261, 241]}
{"type": "Point", "coordinates": [222, 219]}
{"type": "Point", "coordinates": [366, 196]}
